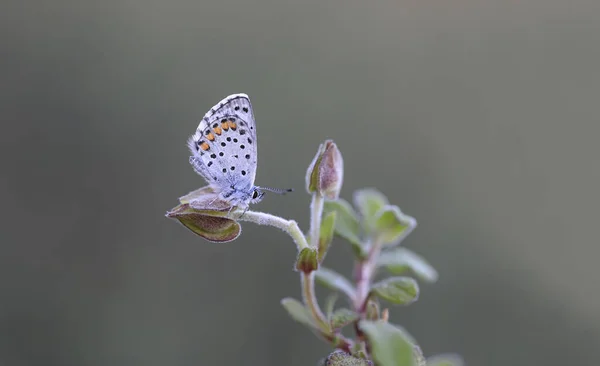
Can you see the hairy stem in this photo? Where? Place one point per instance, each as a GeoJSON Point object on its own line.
{"type": "Point", "coordinates": [363, 274]}
{"type": "Point", "coordinates": [310, 300]}
{"type": "Point", "coordinates": [289, 226]}
{"type": "Point", "coordinates": [340, 342]}
{"type": "Point", "coordinates": [316, 212]}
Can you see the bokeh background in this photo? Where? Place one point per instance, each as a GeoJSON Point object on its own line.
{"type": "Point", "coordinates": [479, 118]}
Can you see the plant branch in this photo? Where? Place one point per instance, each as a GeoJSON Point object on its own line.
{"type": "Point", "coordinates": [316, 213]}
{"type": "Point", "coordinates": [363, 274]}
{"type": "Point", "coordinates": [310, 300]}
{"type": "Point", "coordinates": [289, 226]}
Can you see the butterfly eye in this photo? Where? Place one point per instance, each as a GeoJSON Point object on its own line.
{"type": "Point", "coordinates": [254, 195]}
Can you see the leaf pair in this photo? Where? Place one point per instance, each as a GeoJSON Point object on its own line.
{"type": "Point", "coordinates": [376, 219]}
{"type": "Point", "coordinates": [397, 290]}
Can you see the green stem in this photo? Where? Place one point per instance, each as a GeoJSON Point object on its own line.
{"type": "Point", "coordinates": [289, 226]}
{"type": "Point", "coordinates": [310, 300]}
{"type": "Point", "coordinates": [316, 212]}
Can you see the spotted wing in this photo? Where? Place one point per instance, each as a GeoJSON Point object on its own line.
{"type": "Point", "coordinates": [224, 145]}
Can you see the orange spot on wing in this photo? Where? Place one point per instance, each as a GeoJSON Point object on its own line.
{"type": "Point", "coordinates": [218, 130]}
{"type": "Point", "coordinates": [204, 146]}
{"type": "Point", "coordinates": [210, 137]}
{"type": "Point", "coordinates": [225, 125]}
{"type": "Point", "coordinates": [232, 125]}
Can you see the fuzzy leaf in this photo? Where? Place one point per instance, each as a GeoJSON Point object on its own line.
{"type": "Point", "coordinates": [391, 225]}
{"type": "Point", "coordinates": [298, 312]}
{"type": "Point", "coordinates": [312, 174]}
{"type": "Point", "coordinates": [390, 345]}
{"type": "Point", "coordinates": [445, 360]}
{"type": "Point", "coordinates": [369, 201]}
{"type": "Point", "coordinates": [335, 281]}
{"type": "Point", "coordinates": [346, 224]}
{"type": "Point", "coordinates": [397, 261]}
{"type": "Point", "coordinates": [372, 309]}
{"type": "Point", "coordinates": [330, 304]}
{"type": "Point", "coordinates": [397, 290]}
{"type": "Point", "coordinates": [342, 317]}
{"type": "Point", "coordinates": [326, 235]}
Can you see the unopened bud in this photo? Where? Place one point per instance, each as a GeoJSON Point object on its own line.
{"type": "Point", "coordinates": [307, 260]}
{"type": "Point", "coordinates": [341, 358]}
{"type": "Point", "coordinates": [204, 214]}
{"type": "Point", "coordinates": [326, 172]}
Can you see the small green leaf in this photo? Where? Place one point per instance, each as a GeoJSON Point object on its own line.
{"type": "Point", "coordinates": [330, 304]}
{"type": "Point", "coordinates": [445, 360]}
{"type": "Point", "coordinates": [390, 345]}
{"type": "Point", "coordinates": [312, 173]}
{"type": "Point", "coordinates": [307, 260]}
{"type": "Point", "coordinates": [298, 312]}
{"type": "Point", "coordinates": [326, 235]}
{"type": "Point", "coordinates": [391, 225]}
{"type": "Point", "coordinates": [372, 309]}
{"type": "Point", "coordinates": [397, 290]}
{"type": "Point", "coordinates": [346, 224]}
{"type": "Point", "coordinates": [399, 260]}
{"type": "Point", "coordinates": [335, 281]}
{"type": "Point", "coordinates": [342, 317]}
{"type": "Point", "coordinates": [369, 201]}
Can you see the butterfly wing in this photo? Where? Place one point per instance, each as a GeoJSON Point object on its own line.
{"type": "Point", "coordinates": [224, 146]}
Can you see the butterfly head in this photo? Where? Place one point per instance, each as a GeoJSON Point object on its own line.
{"type": "Point", "coordinates": [257, 195]}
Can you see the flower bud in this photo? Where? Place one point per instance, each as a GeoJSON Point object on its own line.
{"type": "Point", "coordinates": [326, 172]}
{"type": "Point", "coordinates": [205, 215]}
{"type": "Point", "coordinates": [341, 358]}
{"type": "Point", "coordinates": [307, 260]}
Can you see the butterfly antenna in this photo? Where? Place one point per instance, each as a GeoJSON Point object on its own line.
{"type": "Point", "coordinates": [277, 190]}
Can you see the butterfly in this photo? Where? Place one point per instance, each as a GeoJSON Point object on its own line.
{"type": "Point", "coordinates": [224, 152]}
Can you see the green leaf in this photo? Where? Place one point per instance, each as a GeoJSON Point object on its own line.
{"type": "Point", "coordinates": [298, 312]}
{"type": "Point", "coordinates": [342, 317]}
{"type": "Point", "coordinates": [397, 290]}
{"type": "Point", "coordinates": [372, 309]}
{"type": "Point", "coordinates": [346, 224]}
{"type": "Point", "coordinates": [330, 304]}
{"type": "Point", "coordinates": [399, 260]}
{"type": "Point", "coordinates": [445, 360]}
{"type": "Point", "coordinates": [326, 235]}
{"type": "Point", "coordinates": [391, 225]}
{"type": "Point", "coordinates": [335, 281]}
{"type": "Point", "coordinates": [369, 201]}
{"type": "Point", "coordinates": [390, 345]}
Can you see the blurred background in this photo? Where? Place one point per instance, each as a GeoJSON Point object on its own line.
{"type": "Point", "coordinates": [478, 118]}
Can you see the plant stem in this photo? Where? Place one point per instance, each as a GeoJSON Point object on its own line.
{"type": "Point", "coordinates": [289, 226]}
{"type": "Point", "coordinates": [316, 212]}
{"type": "Point", "coordinates": [310, 300]}
{"type": "Point", "coordinates": [340, 342]}
{"type": "Point", "coordinates": [363, 274]}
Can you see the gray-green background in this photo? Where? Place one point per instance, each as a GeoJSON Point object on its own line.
{"type": "Point", "coordinates": [479, 118]}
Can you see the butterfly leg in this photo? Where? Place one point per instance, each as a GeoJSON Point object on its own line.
{"type": "Point", "coordinates": [229, 212]}
{"type": "Point", "coordinates": [243, 213]}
